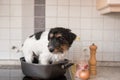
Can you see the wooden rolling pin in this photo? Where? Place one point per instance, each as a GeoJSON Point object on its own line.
{"type": "Point", "coordinates": [92, 61]}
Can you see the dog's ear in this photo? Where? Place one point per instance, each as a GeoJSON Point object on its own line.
{"type": "Point", "coordinates": [72, 37]}
{"type": "Point", "coordinates": [50, 34]}
{"type": "Point", "coordinates": [68, 30]}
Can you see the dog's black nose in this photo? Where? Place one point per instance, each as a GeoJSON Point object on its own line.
{"type": "Point", "coordinates": [51, 50]}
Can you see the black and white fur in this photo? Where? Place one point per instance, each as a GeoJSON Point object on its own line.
{"type": "Point", "coordinates": [48, 46]}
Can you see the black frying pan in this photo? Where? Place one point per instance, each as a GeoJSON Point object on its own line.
{"type": "Point", "coordinates": [44, 71]}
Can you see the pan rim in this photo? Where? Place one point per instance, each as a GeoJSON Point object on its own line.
{"type": "Point", "coordinates": [21, 60]}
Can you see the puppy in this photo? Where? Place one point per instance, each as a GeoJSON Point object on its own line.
{"type": "Point", "coordinates": [49, 46]}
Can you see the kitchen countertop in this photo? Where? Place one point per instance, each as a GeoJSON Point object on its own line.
{"type": "Point", "coordinates": [103, 73]}
{"type": "Point", "coordinates": [106, 73]}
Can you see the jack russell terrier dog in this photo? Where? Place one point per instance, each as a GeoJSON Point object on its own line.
{"type": "Point", "coordinates": [48, 46]}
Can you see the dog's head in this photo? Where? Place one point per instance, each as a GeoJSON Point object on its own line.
{"type": "Point", "coordinates": [60, 39]}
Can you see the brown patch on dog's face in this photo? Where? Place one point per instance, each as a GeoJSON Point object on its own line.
{"type": "Point", "coordinates": [64, 47]}
{"type": "Point", "coordinates": [61, 49]}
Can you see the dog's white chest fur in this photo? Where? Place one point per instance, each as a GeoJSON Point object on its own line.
{"type": "Point", "coordinates": [40, 48]}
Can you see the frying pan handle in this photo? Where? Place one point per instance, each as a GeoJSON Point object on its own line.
{"type": "Point", "coordinates": [65, 66]}
{"type": "Point", "coordinates": [63, 62]}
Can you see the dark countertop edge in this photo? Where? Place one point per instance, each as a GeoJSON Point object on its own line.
{"type": "Point", "coordinates": [10, 66]}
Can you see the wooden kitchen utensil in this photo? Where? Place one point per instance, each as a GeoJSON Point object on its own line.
{"type": "Point", "coordinates": [92, 61]}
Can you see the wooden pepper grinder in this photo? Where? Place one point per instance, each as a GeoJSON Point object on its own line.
{"type": "Point", "coordinates": [92, 61]}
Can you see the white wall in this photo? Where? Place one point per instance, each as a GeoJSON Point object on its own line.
{"type": "Point", "coordinates": [27, 18]}
{"type": "Point", "coordinates": [11, 25]}
{"type": "Point", "coordinates": [82, 17]}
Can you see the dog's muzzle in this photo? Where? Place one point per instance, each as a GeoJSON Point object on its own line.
{"type": "Point", "coordinates": [51, 49]}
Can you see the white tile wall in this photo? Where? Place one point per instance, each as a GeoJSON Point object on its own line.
{"type": "Point", "coordinates": [4, 1]}
{"type": "Point", "coordinates": [16, 22]}
{"type": "Point", "coordinates": [86, 23]}
{"type": "Point", "coordinates": [63, 2]}
{"type": "Point", "coordinates": [27, 10]}
{"type": "Point", "coordinates": [116, 57]}
{"type": "Point", "coordinates": [4, 10]}
{"type": "Point", "coordinates": [97, 35]}
{"type": "Point", "coordinates": [28, 22]}
{"type": "Point", "coordinates": [86, 11]}
{"type": "Point", "coordinates": [85, 43]}
{"type": "Point", "coordinates": [5, 55]}
{"type": "Point", "coordinates": [108, 57]}
{"type": "Point", "coordinates": [74, 2]}
{"type": "Point", "coordinates": [51, 11]}
{"type": "Point", "coordinates": [99, 57]}
{"type": "Point", "coordinates": [82, 17]}
{"type": "Point", "coordinates": [75, 48]}
{"type": "Point", "coordinates": [51, 22]}
{"type": "Point", "coordinates": [97, 23]}
{"type": "Point", "coordinates": [74, 11]}
{"type": "Point", "coordinates": [27, 2]}
{"type": "Point", "coordinates": [109, 22]}
{"type": "Point", "coordinates": [51, 2]}
{"type": "Point", "coordinates": [62, 11]}
{"type": "Point", "coordinates": [15, 55]}
{"type": "Point", "coordinates": [117, 47]}
{"type": "Point", "coordinates": [117, 22]}
{"type": "Point", "coordinates": [86, 35]}
{"type": "Point", "coordinates": [4, 33]}
{"type": "Point", "coordinates": [27, 19]}
{"type": "Point", "coordinates": [96, 13]}
{"type": "Point", "coordinates": [4, 22]}
{"type": "Point", "coordinates": [86, 2]}
{"type": "Point", "coordinates": [74, 22]}
{"type": "Point", "coordinates": [4, 45]}
{"type": "Point", "coordinates": [108, 35]}
{"type": "Point", "coordinates": [16, 2]}
{"type": "Point", "coordinates": [117, 35]}
{"type": "Point", "coordinates": [16, 10]}
{"type": "Point", "coordinates": [108, 46]}
{"type": "Point", "coordinates": [27, 32]}
{"type": "Point", "coordinates": [62, 22]}
{"type": "Point", "coordinates": [11, 25]}
{"type": "Point", "coordinates": [16, 34]}
{"type": "Point", "coordinates": [94, 2]}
